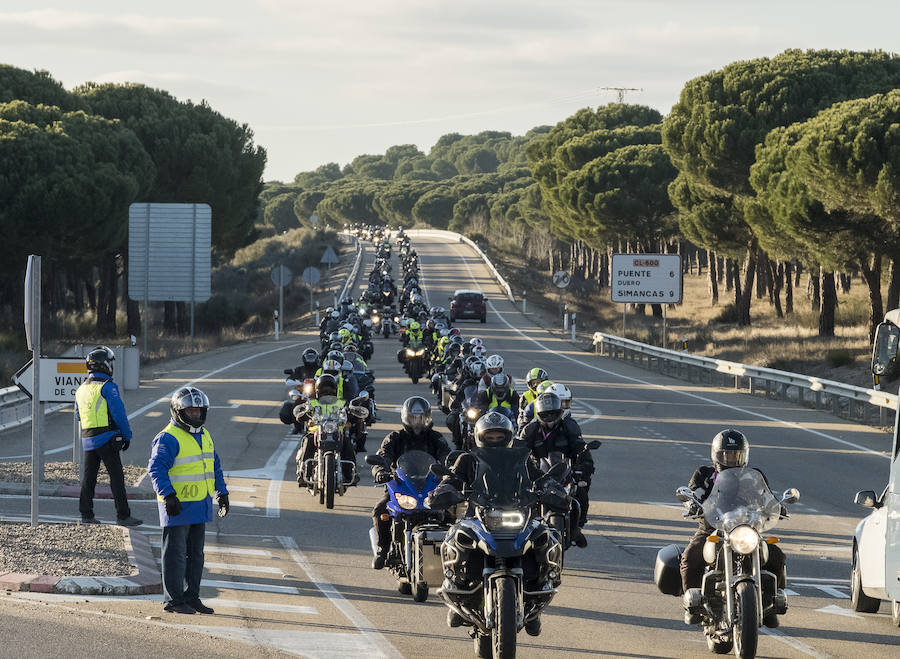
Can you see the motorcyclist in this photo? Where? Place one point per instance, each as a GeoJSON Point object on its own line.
{"type": "Point", "coordinates": [471, 375]}
{"type": "Point", "coordinates": [526, 415]}
{"type": "Point", "coordinates": [493, 366]}
{"type": "Point", "coordinates": [552, 431]}
{"type": "Point", "coordinates": [730, 448]}
{"type": "Point", "coordinates": [413, 334]}
{"type": "Point", "coordinates": [309, 364]}
{"type": "Point", "coordinates": [326, 401]}
{"type": "Point", "coordinates": [500, 393]}
{"type": "Point", "coordinates": [532, 379]}
{"type": "Point", "coordinates": [416, 434]}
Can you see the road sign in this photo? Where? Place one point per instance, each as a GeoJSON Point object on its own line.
{"type": "Point", "coordinates": [281, 275]}
{"type": "Point", "coordinates": [646, 278]}
{"type": "Point", "coordinates": [314, 219]}
{"type": "Point", "coordinates": [329, 257]}
{"type": "Point", "coordinates": [561, 279]}
{"type": "Point", "coordinates": [59, 379]}
{"type": "Point", "coordinates": [312, 276]}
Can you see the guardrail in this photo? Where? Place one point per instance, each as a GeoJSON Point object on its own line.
{"type": "Point", "coordinates": [15, 408]}
{"type": "Point", "coordinates": [461, 238]}
{"type": "Point", "coordinates": [843, 400]}
{"type": "Point", "coordinates": [353, 272]}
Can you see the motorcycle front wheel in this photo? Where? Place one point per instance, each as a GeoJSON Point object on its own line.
{"type": "Point", "coordinates": [746, 631]}
{"type": "Point", "coordinates": [320, 478]}
{"type": "Point", "coordinates": [329, 480]}
{"type": "Point", "coordinates": [503, 635]}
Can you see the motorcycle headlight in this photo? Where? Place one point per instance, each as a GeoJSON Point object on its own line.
{"type": "Point", "coordinates": [396, 319]}
{"type": "Point", "coordinates": [878, 368]}
{"type": "Point", "coordinates": [744, 540]}
{"type": "Point", "coordinates": [329, 427]}
{"type": "Point", "coordinates": [472, 413]}
{"type": "Point", "coordinates": [504, 520]}
{"type": "Point", "coordinates": [307, 389]}
{"type": "Point", "coordinates": [421, 352]}
{"type": "Point", "coordinates": [410, 352]}
{"type": "Point", "coordinates": [406, 502]}
{"type": "Point", "coordinates": [376, 320]}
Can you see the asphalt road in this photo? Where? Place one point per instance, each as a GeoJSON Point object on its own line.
{"type": "Point", "coordinates": [285, 575]}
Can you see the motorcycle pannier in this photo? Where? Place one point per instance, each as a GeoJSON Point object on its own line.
{"type": "Point", "coordinates": [667, 572]}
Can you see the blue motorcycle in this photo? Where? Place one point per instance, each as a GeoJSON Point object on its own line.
{"type": "Point", "coordinates": [417, 531]}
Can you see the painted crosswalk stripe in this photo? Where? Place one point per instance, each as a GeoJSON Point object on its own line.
{"type": "Point", "coordinates": [240, 488]}
{"type": "Point", "coordinates": [240, 585]}
{"type": "Point", "coordinates": [831, 590]}
{"type": "Point", "coordinates": [261, 606]}
{"type": "Point", "coordinates": [239, 567]}
{"type": "Point", "coordinates": [243, 504]}
{"type": "Point", "coordinates": [220, 549]}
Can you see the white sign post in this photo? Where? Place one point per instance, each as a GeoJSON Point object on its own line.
{"type": "Point", "coordinates": [281, 277]}
{"type": "Point", "coordinates": [33, 335]}
{"type": "Point", "coordinates": [647, 279]}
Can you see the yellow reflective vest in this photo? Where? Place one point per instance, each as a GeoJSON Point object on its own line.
{"type": "Point", "coordinates": [92, 409]}
{"type": "Point", "coordinates": [325, 409]}
{"type": "Point", "coordinates": [193, 474]}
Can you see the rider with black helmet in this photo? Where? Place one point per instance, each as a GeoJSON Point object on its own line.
{"type": "Point", "coordinates": [327, 398]}
{"type": "Point", "coordinates": [416, 434]}
{"type": "Point", "coordinates": [309, 364]}
{"type": "Point", "coordinates": [730, 449]}
{"type": "Point", "coordinates": [551, 430]}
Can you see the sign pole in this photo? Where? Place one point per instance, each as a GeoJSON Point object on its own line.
{"type": "Point", "coordinates": [36, 415]}
{"type": "Point", "coordinates": [146, 280]}
{"type": "Point", "coordinates": [193, 267]}
{"type": "Point", "coordinates": [281, 296]}
{"type": "Point", "coordinates": [665, 342]}
{"type": "Point", "coordinates": [624, 309]}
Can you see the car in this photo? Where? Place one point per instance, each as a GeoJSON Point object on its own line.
{"type": "Point", "coordinates": [468, 304]}
{"type": "Point", "coordinates": [872, 560]}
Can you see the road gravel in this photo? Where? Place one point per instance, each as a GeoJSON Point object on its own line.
{"type": "Point", "coordinates": [63, 473]}
{"type": "Point", "coordinates": [63, 549]}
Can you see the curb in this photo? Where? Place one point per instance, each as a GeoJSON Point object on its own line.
{"type": "Point", "coordinates": [143, 490]}
{"type": "Point", "coordinates": [145, 577]}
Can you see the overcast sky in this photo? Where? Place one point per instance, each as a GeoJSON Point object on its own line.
{"type": "Point", "coordinates": [326, 81]}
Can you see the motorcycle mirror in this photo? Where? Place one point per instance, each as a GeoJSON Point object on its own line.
{"type": "Point", "coordinates": [791, 495]}
{"type": "Point", "coordinates": [288, 371]}
{"type": "Point", "coordinates": [452, 457]}
{"type": "Point", "coordinates": [439, 470]}
{"type": "Point", "coordinates": [593, 444]}
{"type": "Point", "coordinates": [684, 493]}
{"type": "Point", "coordinates": [865, 498]}
{"type": "Point", "coordinates": [358, 411]}
{"type": "Point", "coordinates": [375, 460]}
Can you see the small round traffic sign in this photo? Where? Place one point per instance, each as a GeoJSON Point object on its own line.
{"type": "Point", "coordinates": [282, 275]}
{"type": "Point", "coordinates": [561, 279]}
{"type": "Point", "coordinates": [312, 276]}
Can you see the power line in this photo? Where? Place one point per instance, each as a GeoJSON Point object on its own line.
{"type": "Point", "coordinates": [620, 91]}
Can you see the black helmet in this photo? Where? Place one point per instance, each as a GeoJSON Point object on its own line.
{"type": "Point", "coordinates": [100, 359]}
{"type": "Point", "coordinates": [548, 409]}
{"type": "Point", "coordinates": [310, 357]}
{"type": "Point", "coordinates": [730, 448]}
{"type": "Point", "coordinates": [494, 430]}
{"type": "Point", "coordinates": [415, 415]}
{"type": "Point", "coordinates": [326, 385]}
{"type": "Point", "coordinates": [188, 407]}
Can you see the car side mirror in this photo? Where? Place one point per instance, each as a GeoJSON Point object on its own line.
{"type": "Point", "coordinates": [684, 493]}
{"type": "Point", "coordinates": [866, 499]}
{"type": "Point", "coordinates": [375, 460]}
{"type": "Point", "coordinates": [791, 495]}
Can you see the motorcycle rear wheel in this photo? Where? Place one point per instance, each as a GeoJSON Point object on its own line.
{"type": "Point", "coordinates": [503, 635]}
{"type": "Point", "coordinates": [329, 480]}
{"type": "Point", "coordinates": [746, 630]}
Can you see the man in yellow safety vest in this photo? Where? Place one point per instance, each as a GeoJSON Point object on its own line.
{"type": "Point", "coordinates": [187, 477]}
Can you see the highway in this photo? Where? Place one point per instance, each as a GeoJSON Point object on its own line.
{"type": "Point", "coordinates": [291, 578]}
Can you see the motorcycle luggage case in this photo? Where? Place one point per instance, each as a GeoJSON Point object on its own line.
{"type": "Point", "coordinates": [428, 541]}
{"type": "Point", "coordinates": [667, 571]}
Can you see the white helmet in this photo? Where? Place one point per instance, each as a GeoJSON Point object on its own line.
{"type": "Point", "coordinates": [565, 397]}
{"type": "Point", "coordinates": [476, 342]}
{"type": "Point", "coordinates": [478, 351]}
{"type": "Point", "coordinates": [494, 364]}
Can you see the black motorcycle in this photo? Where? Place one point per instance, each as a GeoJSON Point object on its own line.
{"type": "Point", "coordinates": [560, 468]}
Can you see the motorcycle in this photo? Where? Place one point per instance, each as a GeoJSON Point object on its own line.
{"type": "Point", "coordinates": [324, 473]}
{"type": "Point", "coordinates": [736, 593]}
{"type": "Point", "coordinates": [502, 564]}
{"type": "Point", "coordinates": [299, 391]}
{"type": "Point", "coordinates": [560, 468]}
{"type": "Point", "coordinates": [417, 531]}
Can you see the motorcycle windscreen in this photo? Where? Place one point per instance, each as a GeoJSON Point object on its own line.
{"type": "Point", "coordinates": [741, 496]}
{"type": "Point", "coordinates": [416, 466]}
{"type": "Point", "coordinates": [501, 478]}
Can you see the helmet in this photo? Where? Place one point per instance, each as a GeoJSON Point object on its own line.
{"type": "Point", "coordinates": [334, 336]}
{"type": "Point", "coordinates": [367, 323]}
{"type": "Point", "coordinates": [500, 386]}
{"type": "Point", "coordinates": [347, 365]}
{"type": "Point", "coordinates": [100, 359]}
{"type": "Point", "coordinates": [335, 354]}
{"type": "Point", "coordinates": [337, 346]}
{"type": "Point", "coordinates": [479, 351]}
{"type": "Point", "coordinates": [413, 325]}
{"type": "Point", "coordinates": [350, 347]}
{"type": "Point", "coordinates": [455, 332]}
{"type": "Point", "coordinates": [415, 415]}
{"type": "Point", "coordinates": [326, 385]}
{"type": "Point", "coordinates": [494, 364]}
{"type": "Point", "coordinates": [730, 448]}
{"type": "Point", "coordinates": [188, 407]}
{"type": "Point", "coordinates": [456, 339]}
{"type": "Point", "coordinates": [328, 310]}
{"type": "Point", "coordinates": [476, 369]}
{"type": "Point", "coordinates": [429, 325]}
{"type": "Point", "coordinates": [452, 350]}
{"type": "Point", "coordinates": [548, 409]}
{"type": "Point", "coordinates": [535, 376]}
{"type": "Point", "coordinates": [544, 387]}
{"type": "Point", "coordinates": [344, 333]}
{"type": "Point", "coordinates": [310, 356]}
{"type": "Point", "coordinates": [332, 366]}
{"type": "Point", "coordinates": [476, 342]}
{"type": "Point", "coordinates": [565, 396]}
{"type": "Point", "coordinates": [494, 430]}
{"type": "Point", "coordinates": [336, 315]}
{"type": "Point", "coordinates": [444, 333]}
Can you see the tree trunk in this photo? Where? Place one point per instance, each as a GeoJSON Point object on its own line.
{"type": "Point", "coordinates": [106, 296]}
{"type": "Point", "coordinates": [893, 292]}
{"type": "Point", "coordinates": [797, 275]}
{"type": "Point", "coordinates": [789, 288]}
{"type": "Point", "coordinates": [845, 280]}
{"type": "Point", "coordinates": [871, 272]}
{"type": "Point", "coordinates": [776, 274]}
{"type": "Point", "coordinates": [762, 274]}
{"type": "Point", "coordinates": [712, 279]}
{"type": "Point", "coordinates": [743, 314]}
{"type": "Point", "coordinates": [828, 304]}
{"type": "Point", "coordinates": [812, 290]}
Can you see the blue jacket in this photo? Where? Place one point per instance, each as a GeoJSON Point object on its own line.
{"type": "Point", "coordinates": [162, 458]}
{"type": "Point", "coordinates": [117, 414]}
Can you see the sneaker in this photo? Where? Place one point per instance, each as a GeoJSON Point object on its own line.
{"type": "Point", "coordinates": [200, 607]}
{"type": "Point", "coordinates": [180, 608]}
{"type": "Point", "coordinates": [454, 619]}
{"type": "Point", "coordinates": [533, 627]}
{"type": "Point", "coordinates": [129, 521]}
{"type": "Point", "coordinates": [90, 520]}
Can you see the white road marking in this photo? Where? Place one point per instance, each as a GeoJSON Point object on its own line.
{"type": "Point", "coordinates": [256, 587]}
{"type": "Point", "coordinates": [273, 471]}
{"type": "Point", "coordinates": [793, 642]}
{"type": "Point", "coordinates": [239, 551]}
{"type": "Point", "coordinates": [711, 401]}
{"type": "Point", "coordinates": [260, 606]}
{"type": "Point", "coordinates": [819, 579]}
{"type": "Point", "coordinates": [836, 610]}
{"type": "Point", "coordinates": [241, 567]}
{"type": "Point", "coordinates": [791, 593]}
{"type": "Point", "coordinates": [233, 406]}
{"type": "Point", "coordinates": [664, 504]}
{"type": "Point", "coordinates": [240, 488]}
{"type": "Point", "coordinates": [242, 504]}
{"type": "Point", "coordinates": [366, 628]}
{"type": "Point", "coordinates": [831, 590]}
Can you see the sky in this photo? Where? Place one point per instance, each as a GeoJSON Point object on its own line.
{"type": "Point", "coordinates": [326, 81]}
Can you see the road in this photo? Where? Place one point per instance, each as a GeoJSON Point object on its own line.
{"type": "Point", "coordinates": [286, 576]}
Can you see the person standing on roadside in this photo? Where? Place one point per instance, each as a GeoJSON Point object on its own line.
{"type": "Point", "coordinates": [187, 477]}
{"type": "Point", "coordinates": [105, 431]}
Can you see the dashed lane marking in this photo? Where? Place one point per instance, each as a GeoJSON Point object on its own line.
{"type": "Point", "coordinates": [256, 587]}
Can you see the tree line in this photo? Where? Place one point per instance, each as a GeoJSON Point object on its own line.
{"type": "Point", "coordinates": [71, 163]}
{"type": "Point", "coordinates": [762, 169]}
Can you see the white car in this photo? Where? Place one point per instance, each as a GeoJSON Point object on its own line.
{"type": "Point", "coordinates": [871, 562]}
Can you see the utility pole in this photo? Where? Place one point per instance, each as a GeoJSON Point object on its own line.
{"type": "Point", "coordinates": [620, 91]}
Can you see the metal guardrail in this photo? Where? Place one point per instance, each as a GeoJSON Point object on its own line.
{"type": "Point", "coordinates": [842, 399]}
{"type": "Point", "coordinates": [461, 238]}
{"type": "Point", "coordinates": [352, 276]}
{"type": "Point", "coordinates": [15, 408]}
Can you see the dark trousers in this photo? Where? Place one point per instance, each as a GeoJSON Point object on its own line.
{"type": "Point", "coordinates": [692, 562]}
{"type": "Point", "coordinates": [182, 562]}
{"type": "Point", "coordinates": [382, 527]}
{"type": "Point", "coordinates": [109, 455]}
